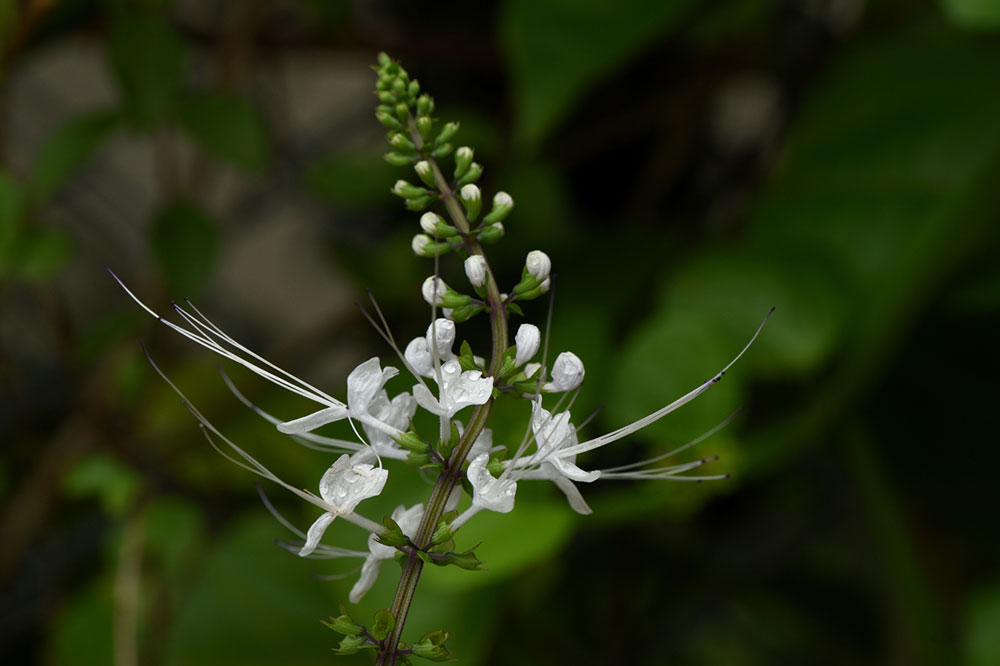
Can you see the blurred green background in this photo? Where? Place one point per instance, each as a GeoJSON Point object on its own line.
{"type": "Point", "coordinates": [687, 165]}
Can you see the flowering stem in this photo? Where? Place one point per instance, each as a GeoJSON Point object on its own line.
{"type": "Point", "coordinates": [452, 471]}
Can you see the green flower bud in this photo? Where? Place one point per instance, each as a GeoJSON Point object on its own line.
{"type": "Point", "coordinates": [399, 86]}
{"type": "Point", "coordinates": [388, 120]}
{"type": "Point", "coordinates": [407, 191]}
{"type": "Point", "coordinates": [425, 126]}
{"type": "Point", "coordinates": [447, 132]}
{"type": "Point", "coordinates": [441, 151]}
{"type": "Point", "coordinates": [491, 233]}
{"type": "Point", "coordinates": [400, 142]}
{"type": "Point", "coordinates": [472, 175]}
{"type": "Point", "coordinates": [412, 442]}
{"type": "Point", "coordinates": [383, 59]}
{"type": "Point", "coordinates": [397, 159]}
{"type": "Point", "coordinates": [386, 97]}
{"type": "Point", "coordinates": [425, 105]}
{"type": "Point", "coordinates": [502, 205]}
{"type": "Point", "coordinates": [464, 313]}
{"type": "Point", "coordinates": [463, 160]}
{"type": "Point", "coordinates": [420, 203]}
{"type": "Point", "coordinates": [413, 89]}
{"type": "Point", "coordinates": [426, 174]}
{"type": "Point", "coordinates": [384, 622]}
{"type": "Point", "coordinates": [403, 112]}
{"type": "Point", "coordinates": [472, 200]}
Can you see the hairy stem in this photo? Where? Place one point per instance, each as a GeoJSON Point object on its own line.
{"type": "Point", "coordinates": [453, 468]}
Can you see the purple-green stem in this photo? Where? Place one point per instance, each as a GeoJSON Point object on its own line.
{"type": "Point", "coordinates": [450, 476]}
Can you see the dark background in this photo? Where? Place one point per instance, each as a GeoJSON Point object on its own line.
{"type": "Point", "coordinates": [687, 165]}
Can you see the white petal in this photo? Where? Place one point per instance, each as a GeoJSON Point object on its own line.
{"type": "Point", "coordinates": [576, 501]}
{"type": "Point", "coordinates": [315, 533]}
{"type": "Point", "coordinates": [364, 383]}
{"type": "Point", "coordinates": [419, 357]}
{"type": "Point", "coordinates": [426, 399]}
{"type": "Point", "coordinates": [313, 421]}
{"type": "Point", "coordinates": [568, 468]}
{"type": "Point", "coordinates": [462, 389]}
{"type": "Point", "coordinates": [369, 574]}
{"type": "Point", "coordinates": [345, 485]}
{"type": "Point", "coordinates": [487, 491]}
{"type": "Point", "coordinates": [409, 519]}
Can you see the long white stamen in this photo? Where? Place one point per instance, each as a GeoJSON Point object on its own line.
{"type": "Point", "coordinates": [625, 431]}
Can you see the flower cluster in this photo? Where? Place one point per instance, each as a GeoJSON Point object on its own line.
{"type": "Point", "coordinates": [456, 387]}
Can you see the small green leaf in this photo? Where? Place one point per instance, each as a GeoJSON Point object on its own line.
{"type": "Point", "coordinates": [185, 244]}
{"type": "Point", "coordinates": [66, 149]}
{"type": "Point", "coordinates": [227, 126]}
{"type": "Point", "coordinates": [384, 623]}
{"type": "Point", "coordinates": [148, 61]}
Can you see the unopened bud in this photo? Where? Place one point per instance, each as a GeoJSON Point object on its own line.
{"type": "Point", "coordinates": [474, 173]}
{"type": "Point", "coordinates": [538, 264]}
{"type": "Point", "coordinates": [492, 233]}
{"type": "Point", "coordinates": [388, 120]}
{"type": "Point", "coordinates": [440, 337]}
{"type": "Point", "coordinates": [404, 189]}
{"type": "Point", "coordinates": [527, 341]}
{"type": "Point", "coordinates": [567, 373]}
{"type": "Point", "coordinates": [401, 143]}
{"type": "Point", "coordinates": [502, 205]}
{"type": "Point", "coordinates": [472, 200]}
{"type": "Point", "coordinates": [444, 150]}
{"type": "Point", "coordinates": [425, 105]}
{"type": "Point", "coordinates": [475, 269]}
{"type": "Point", "coordinates": [447, 132]}
{"type": "Point", "coordinates": [425, 125]}
{"type": "Point", "coordinates": [463, 160]}
{"type": "Point", "coordinates": [423, 169]}
{"type": "Point", "coordinates": [413, 89]}
{"type": "Point", "coordinates": [397, 159]}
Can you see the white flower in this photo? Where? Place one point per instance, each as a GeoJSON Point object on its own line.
{"type": "Point", "coordinates": [396, 413]}
{"type": "Point", "coordinates": [433, 290]}
{"type": "Point", "coordinates": [463, 153]}
{"type": "Point", "coordinates": [527, 341]}
{"type": "Point", "coordinates": [400, 186]}
{"type": "Point", "coordinates": [488, 492]}
{"type": "Point", "coordinates": [342, 488]}
{"type": "Point", "coordinates": [408, 521]}
{"type": "Point", "coordinates": [475, 270]}
{"type": "Point", "coordinates": [538, 265]}
{"type": "Point", "coordinates": [363, 386]}
{"type": "Point", "coordinates": [567, 373]}
{"type": "Point", "coordinates": [470, 192]}
{"type": "Point", "coordinates": [423, 169]}
{"type": "Point", "coordinates": [457, 390]}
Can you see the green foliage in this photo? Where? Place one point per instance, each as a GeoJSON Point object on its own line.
{"type": "Point", "coordinates": [185, 243]}
{"type": "Point", "coordinates": [148, 62]}
{"type": "Point", "coordinates": [982, 627]}
{"type": "Point", "coordinates": [559, 49]}
{"type": "Point", "coordinates": [100, 476]}
{"type": "Point", "coordinates": [383, 624]}
{"type": "Point", "coordinates": [972, 14]}
{"type": "Point", "coordinates": [226, 126]}
{"type": "Point", "coordinates": [82, 632]}
{"type": "Point", "coordinates": [66, 149]}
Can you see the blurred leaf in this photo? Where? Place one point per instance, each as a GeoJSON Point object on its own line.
{"type": "Point", "coordinates": [227, 126]}
{"type": "Point", "coordinates": [732, 16]}
{"type": "Point", "coordinates": [148, 60]}
{"type": "Point", "coordinates": [736, 290]}
{"type": "Point", "coordinates": [99, 475]}
{"type": "Point", "coordinates": [173, 534]}
{"type": "Point", "coordinates": [8, 22]}
{"type": "Point", "coordinates": [82, 632]}
{"type": "Point", "coordinates": [972, 14]}
{"type": "Point", "coordinates": [66, 149]}
{"type": "Point", "coordinates": [559, 50]}
{"type": "Point", "coordinates": [982, 627]}
{"type": "Point", "coordinates": [357, 181]}
{"type": "Point", "coordinates": [255, 604]}
{"type": "Point", "coordinates": [40, 254]}
{"type": "Point", "coordinates": [668, 356]}
{"type": "Point", "coordinates": [185, 243]}
{"type": "Point", "coordinates": [542, 205]}
{"type": "Point", "coordinates": [534, 533]}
